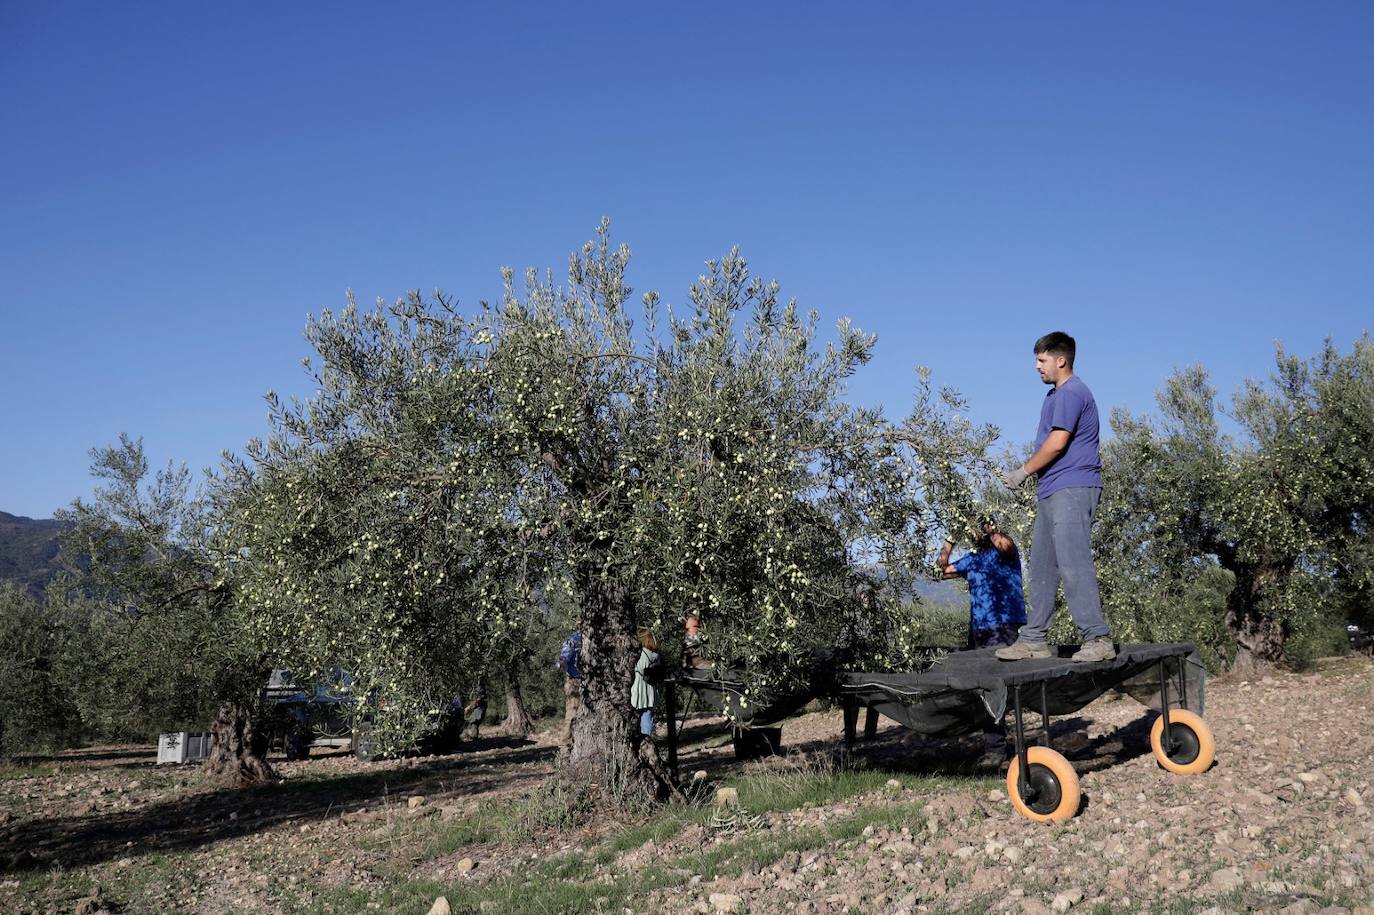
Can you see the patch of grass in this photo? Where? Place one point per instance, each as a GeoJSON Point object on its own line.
{"type": "Point", "coordinates": [551, 810]}
{"type": "Point", "coordinates": [579, 882]}
{"type": "Point", "coordinates": [586, 881]}
{"type": "Point", "coordinates": [141, 887]}
{"type": "Point", "coordinates": [817, 783]}
{"type": "Point", "coordinates": [671, 821]}
{"type": "Point", "coordinates": [16, 771]}
{"type": "Point", "coordinates": [509, 820]}
{"type": "Point", "coordinates": [146, 881]}
{"type": "Point", "coordinates": [53, 885]}
{"type": "Point", "coordinates": [755, 852]}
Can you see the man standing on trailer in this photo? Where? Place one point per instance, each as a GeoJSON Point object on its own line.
{"type": "Point", "coordinates": [1069, 485]}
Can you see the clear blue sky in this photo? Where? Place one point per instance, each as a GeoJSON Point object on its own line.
{"type": "Point", "coordinates": [181, 183]}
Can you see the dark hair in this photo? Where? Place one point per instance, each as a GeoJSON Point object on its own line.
{"type": "Point", "coordinates": [1057, 343]}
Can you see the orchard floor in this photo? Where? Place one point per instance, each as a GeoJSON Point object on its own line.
{"type": "Point", "coordinates": [1282, 823]}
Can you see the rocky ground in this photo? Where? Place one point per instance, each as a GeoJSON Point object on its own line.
{"type": "Point", "coordinates": [1282, 823]}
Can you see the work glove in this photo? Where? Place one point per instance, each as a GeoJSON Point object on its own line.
{"type": "Point", "coordinates": [1014, 478]}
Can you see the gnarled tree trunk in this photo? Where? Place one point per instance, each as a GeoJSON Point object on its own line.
{"type": "Point", "coordinates": [1258, 636]}
{"type": "Point", "coordinates": [237, 753]}
{"type": "Point", "coordinates": [1259, 643]}
{"type": "Point", "coordinates": [607, 753]}
{"type": "Point", "coordinates": [518, 722]}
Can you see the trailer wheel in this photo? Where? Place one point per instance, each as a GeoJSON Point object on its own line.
{"type": "Point", "coordinates": [1194, 748]}
{"type": "Point", "coordinates": [1053, 784]}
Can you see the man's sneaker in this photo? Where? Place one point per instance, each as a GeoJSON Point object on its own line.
{"type": "Point", "coordinates": [1098, 649]}
{"type": "Point", "coordinates": [1021, 649]}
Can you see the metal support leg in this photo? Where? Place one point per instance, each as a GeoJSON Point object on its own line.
{"type": "Point", "coordinates": [1164, 705]}
{"type": "Point", "coordinates": [851, 721]}
{"type": "Point", "coordinates": [1044, 717]}
{"type": "Point", "coordinates": [671, 699]}
{"type": "Point", "coordinates": [871, 724]}
{"type": "Point", "coordinates": [1023, 773]}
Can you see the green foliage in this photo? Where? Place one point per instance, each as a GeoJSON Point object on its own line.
{"type": "Point", "coordinates": [413, 520]}
{"type": "Point", "coordinates": [951, 457]}
{"type": "Point", "coordinates": [134, 675]}
{"type": "Point", "coordinates": [144, 613]}
{"type": "Point", "coordinates": [938, 626]}
{"type": "Point", "coordinates": [38, 705]}
{"type": "Point", "coordinates": [540, 681]}
{"type": "Point", "coordinates": [1258, 542]}
{"type": "Point", "coordinates": [580, 880]}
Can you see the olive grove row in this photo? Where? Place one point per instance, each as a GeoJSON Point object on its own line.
{"type": "Point", "coordinates": [464, 483]}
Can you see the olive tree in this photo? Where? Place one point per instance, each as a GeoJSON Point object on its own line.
{"type": "Point", "coordinates": [1243, 540]}
{"type": "Point", "coordinates": [400, 522]}
{"type": "Point", "coordinates": [153, 634]}
{"type": "Point", "coordinates": [955, 464]}
{"type": "Point", "coordinates": [38, 706]}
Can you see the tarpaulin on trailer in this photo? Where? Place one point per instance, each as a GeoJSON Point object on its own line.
{"type": "Point", "coordinates": [965, 691]}
{"type": "Point", "coordinates": [723, 689]}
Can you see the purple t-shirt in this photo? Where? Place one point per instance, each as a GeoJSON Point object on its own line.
{"type": "Point", "coordinates": [1070, 407]}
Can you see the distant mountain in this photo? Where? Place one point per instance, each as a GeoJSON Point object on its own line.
{"type": "Point", "coordinates": [948, 594]}
{"type": "Point", "coordinates": [28, 550]}
{"type": "Point", "coordinates": [951, 594]}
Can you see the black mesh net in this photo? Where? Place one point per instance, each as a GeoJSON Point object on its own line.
{"type": "Point", "coordinates": [961, 692]}
{"type": "Point", "coordinates": [965, 691]}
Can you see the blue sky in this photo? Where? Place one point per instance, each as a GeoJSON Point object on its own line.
{"type": "Point", "coordinates": [181, 183]}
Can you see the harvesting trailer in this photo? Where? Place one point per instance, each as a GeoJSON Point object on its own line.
{"type": "Point", "coordinates": [963, 692]}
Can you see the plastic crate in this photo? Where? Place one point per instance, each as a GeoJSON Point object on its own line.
{"type": "Point", "coordinates": [182, 747]}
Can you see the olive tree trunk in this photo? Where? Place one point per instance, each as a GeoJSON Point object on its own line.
{"type": "Point", "coordinates": [607, 753]}
{"type": "Point", "coordinates": [518, 722]}
{"type": "Point", "coordinates": [1258, 636]}
{"type": "Point", "coordinates": [237, 751]}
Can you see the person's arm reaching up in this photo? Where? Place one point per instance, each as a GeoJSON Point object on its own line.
{"type": "Point", "coordinates": [942, 561]}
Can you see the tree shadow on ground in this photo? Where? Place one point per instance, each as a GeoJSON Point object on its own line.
{"type": "Point", "coordinates": [196, 820]}
{"type": "Point", "coordinates": [125, 757]}
{"type": "Point", "coordinates": [697, 732]}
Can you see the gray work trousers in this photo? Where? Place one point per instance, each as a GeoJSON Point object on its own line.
{"type": "Point", "coordinates": [1061, 549]}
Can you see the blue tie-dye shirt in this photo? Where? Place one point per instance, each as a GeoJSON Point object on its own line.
{"type": "Point", "coordinates": [994, 588]}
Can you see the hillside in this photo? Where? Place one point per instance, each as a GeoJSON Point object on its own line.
{"type": "Point", "coordinates": [28, 550]}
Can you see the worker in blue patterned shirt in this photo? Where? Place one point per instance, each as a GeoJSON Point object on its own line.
{"type": "Point", "coordinates": [993, 570]}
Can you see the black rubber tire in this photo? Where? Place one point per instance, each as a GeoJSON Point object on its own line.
{"type": "Point", "coordinates": [1059, 791]}
{"type": "Point", "coordinates": [1194, 748]}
